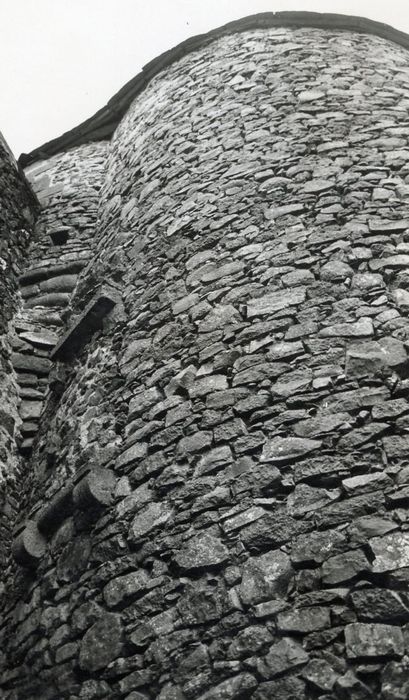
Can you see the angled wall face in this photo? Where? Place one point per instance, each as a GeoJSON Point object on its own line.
{"type": "Point", "coordinates": [219, 501]}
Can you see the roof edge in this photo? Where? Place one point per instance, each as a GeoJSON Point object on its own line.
{"type": "Point", "coordinates": [104, 122]}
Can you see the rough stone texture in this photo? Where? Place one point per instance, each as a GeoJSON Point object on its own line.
{"type": "Point", "coordinates": [18, 210]}
{"type": "Point", "coordinates": [233, 439]}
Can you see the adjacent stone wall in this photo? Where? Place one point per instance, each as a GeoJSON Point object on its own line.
{"type": "Point", "coordinates": [17, 214]}
{"type": "Point", "coordinates": [67, 187]}
{"type": "Point", "coordinates": [225, 513]}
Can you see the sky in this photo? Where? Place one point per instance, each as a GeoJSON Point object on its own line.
{"type": "Point", "coordinates": [62, 60]}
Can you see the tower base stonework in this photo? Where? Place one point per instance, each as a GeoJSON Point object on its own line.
{"type": "Point", "coordinates": [210, 345]}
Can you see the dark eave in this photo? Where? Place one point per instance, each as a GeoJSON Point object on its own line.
{"type": "Point", "coordinates": [103, 123]}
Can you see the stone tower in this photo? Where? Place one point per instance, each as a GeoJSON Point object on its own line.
{"type": "Point", "coordinates": [205, 378]}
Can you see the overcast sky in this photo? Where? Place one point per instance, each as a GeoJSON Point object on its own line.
{"type": "Point", "coordinates": [61, 60]}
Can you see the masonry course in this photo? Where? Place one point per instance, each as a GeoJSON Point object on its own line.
{"type": "Point", "coordinates": [210, 485]}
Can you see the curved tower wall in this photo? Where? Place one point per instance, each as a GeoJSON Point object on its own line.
{"type": "Point", "coordinates": [225, 513]}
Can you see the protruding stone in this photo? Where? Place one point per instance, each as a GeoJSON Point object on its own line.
{"type": "Point", "coordinates": [95, 489]}
{"type": "Point", "coordinates": [29, 546]}
{"type": "Point", "coordinates": [86, 324]}
{"type": "Point", "coordinates": [373, 641]}
{"type": "Point", "coordinates": [387, 226]}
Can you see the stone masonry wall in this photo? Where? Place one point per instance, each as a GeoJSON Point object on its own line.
{"type": "Point", "coordinates": [17, 214]}
{"type": "Point", "coordinates": [67, 187]}
{"type": "Point", "coordinates": [225, 513]}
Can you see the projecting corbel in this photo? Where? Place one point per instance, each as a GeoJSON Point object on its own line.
{"type": "Point", "coordinates": [89, 321]}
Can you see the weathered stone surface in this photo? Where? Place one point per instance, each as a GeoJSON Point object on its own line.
{"type": "Point", "coordinates": [358, 329]}
{"type": "Point", "coordinates": [102, 643]}
{"type": "Point", "coordinates": [321, 424]}
{"type": "Point", "coordinates": [206, 385]}
{"type": "Point", "coordinates": [283, 656]}
{"type": "Point", "coordinates": [390, 409]}
{"type": "Point", "coordinates": [368, 358]}
{"type": "Point", "coordinates": [31, 410]}
{"type": "Point", "coordinates": [387, 226]}
{"type": "Point", "coordinates": [236, 687]}
{"type": "Point", "coordinates": [367, 482]}
{"type": "Point", "coordinates": [249, 642]}
{"type": "Point", "coordinates": [244, 518]}
{"type": "Point", "coordinates": [95, 489]}
{"type": "Point", "coordinates": [201, 552]}
{"type": "Point", "coordinates": [395, 680]}
{"type": "Point", "coordinates": [344, 567]}
{"type": "Point", "coordinates": [350, 686]}
{"type": "Point", "coordinates": [265, 577]}
{"type": "Point", "coordinates": [373, 640]}
{"type": "Point", "coordinates": [132, 454]}
{"type": "Point", "coordinates": [220, 316]}
{"type": "Point", "coordinates": [73, 559]}
{"type": "Point", "coordinates": [201, 603]}
{"type": "Point", "coordinates": [282, 689]}
{"type": "Point", "coordinates": [124, 588]}
{"type": "Point", "coordinates": [275, 301]}
{"type": "Point", "coordinates": [271, 530]}
{"type": "Point", "coordinates": [279, 450]}
{"type": "Point", "coordinates": [318, 186]}
{"type": "Point", "coordinates": [335, 271]}
{"type": "Point", "coordinates": [396, 446]}
{"type": "Point", "coordinates": [320, 674]}
{"type": "Point", "coordinates": [305, 499]}
{"type": "Point", "coordinates": [355, 399]}
{"type": "Point", "coordinates": [360, 436]}
{"type": "Point", "coordinates": [391, 551]}
{"type": "Point", "coordinates": [30, 363]}
{"type": "Point", "coordinates": [315, 547]}
{"type": "Point", "coordinates": [304, 620]}
{"type": "Point", "coordinates": [143, 401]}
{"type": "Point", "coordinates": [152, 516]}
{"type": "Point", "coordinates": [379, 605]}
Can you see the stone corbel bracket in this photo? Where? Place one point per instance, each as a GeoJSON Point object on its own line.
{"type": "Point", "coordinates": [89, 321]}
{"type": "Point", "coordinates": [89, 489]}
